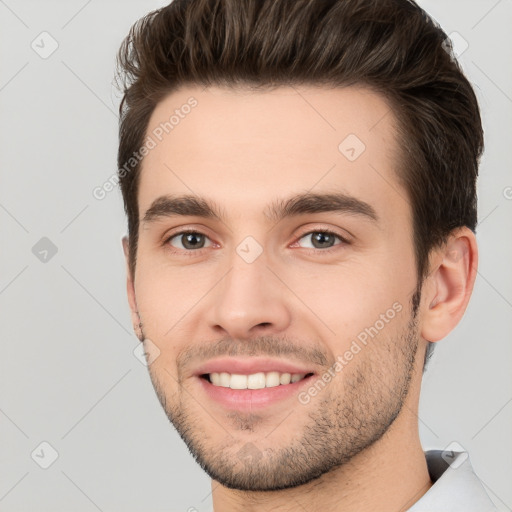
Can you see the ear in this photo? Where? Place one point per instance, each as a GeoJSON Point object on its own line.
{"type": "Point", "coordinates": [450, 285]}
{"type": "Point", "coordinates": [130, 289]}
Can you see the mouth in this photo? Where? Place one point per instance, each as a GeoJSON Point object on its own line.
{"type": "Point", "coordinates": [258, 380]}
{"type": "Point", "coordinates": [250, 390]}
{"type": "Point", "coordinates": [254, 383]}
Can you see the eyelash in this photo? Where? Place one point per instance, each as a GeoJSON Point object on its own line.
{"type": "Point", "coordinates": [194, 252]}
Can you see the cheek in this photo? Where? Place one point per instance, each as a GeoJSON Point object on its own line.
{"type": "Point", "coordinates": [350, 296]}
{"type": "Point", "coordinates": [163, 298]}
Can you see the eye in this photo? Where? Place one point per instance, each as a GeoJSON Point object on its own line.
{"type": "Point", "coordinates": [321, 239]}
{"type": "Point", "coordinates": [189, 240]}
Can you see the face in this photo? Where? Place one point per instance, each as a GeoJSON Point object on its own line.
{"type": "Point", "coordinates": [274, 276]}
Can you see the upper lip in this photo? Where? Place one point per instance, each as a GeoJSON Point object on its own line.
{"type": "Point", "coordinates": [248, 366]}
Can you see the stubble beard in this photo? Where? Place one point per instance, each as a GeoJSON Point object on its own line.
{"type": "Point", "coordinates": [338, 428]}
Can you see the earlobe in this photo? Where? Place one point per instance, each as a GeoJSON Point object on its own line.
{"type": "Point", "coordinates": [451, 284]}
{"type": "Point", "coordinates": [130, 290]}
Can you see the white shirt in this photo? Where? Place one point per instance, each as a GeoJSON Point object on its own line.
{"type": "Point", "coordinates": [456, 488]}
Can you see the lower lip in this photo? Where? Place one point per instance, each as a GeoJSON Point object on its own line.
{"type": "Point", "coordinates": [250, 399]}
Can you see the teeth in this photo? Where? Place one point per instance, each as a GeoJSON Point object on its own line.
{"type": "Point", "coordinates": [285, 378]}
{"type": "Point", "coordinates": [224, 380]}
{"type": "Point", "coordinates": [238, 382]}
{"type": "Point", "coordinates": [272, 380]}
{"type": "Point", "coordinates": [258, 380]}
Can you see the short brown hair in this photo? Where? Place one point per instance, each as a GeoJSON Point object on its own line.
{"type": "Point", "coordinates": [391, 46]}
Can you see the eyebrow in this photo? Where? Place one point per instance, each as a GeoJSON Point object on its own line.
{"type": "Point", "coordinates": [300, 204]}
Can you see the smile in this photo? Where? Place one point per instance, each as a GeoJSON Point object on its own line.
{"type": "Point", "coordinates": [257, 380]}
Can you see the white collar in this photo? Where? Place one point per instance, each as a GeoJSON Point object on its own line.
{"type": "Point", "coordinates": [455, 486]}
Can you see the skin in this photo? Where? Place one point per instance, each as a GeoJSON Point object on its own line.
{"type": "Point", "coordinates": [355, 445]}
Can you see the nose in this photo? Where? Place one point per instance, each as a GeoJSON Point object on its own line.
{"type": "Point", "coordinates": [249, 301]}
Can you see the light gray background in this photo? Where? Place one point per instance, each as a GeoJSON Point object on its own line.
{"type": "Point", "coordinates": [68, 372]}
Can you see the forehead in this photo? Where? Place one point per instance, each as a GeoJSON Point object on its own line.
{"type": "Point", "coordinates": [239, 147]}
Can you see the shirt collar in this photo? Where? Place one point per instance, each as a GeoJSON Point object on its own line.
{"type": "Point", "coordinates": [455, 485]}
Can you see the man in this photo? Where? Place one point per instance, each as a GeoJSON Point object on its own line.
{"type": "Point", "coordinates": [299, 180]}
